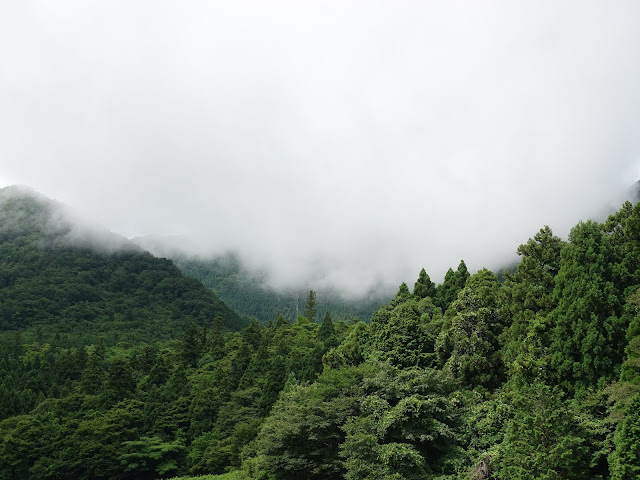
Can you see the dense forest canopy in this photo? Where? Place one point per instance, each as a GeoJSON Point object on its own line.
{"type": "Point", "coordinates": [58, 277]}
{"type": "Point", "coordinates": [114, 366]}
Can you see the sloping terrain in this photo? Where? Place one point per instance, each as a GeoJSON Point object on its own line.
{"type": "Point", "coordinates": [58, 276]}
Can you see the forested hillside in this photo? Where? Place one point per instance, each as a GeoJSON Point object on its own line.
{"type": "Point", "coordinates": [61, 278]}
{"type": "Point", "coordinates": [533, 377]}
{"type": "Point", "coordinates": [248, 292]}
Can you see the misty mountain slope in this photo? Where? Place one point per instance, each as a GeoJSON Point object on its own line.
{"type": "Point", "coordinates": [59, 276]}
{"type": "Point", "coordinates": [248, 291]}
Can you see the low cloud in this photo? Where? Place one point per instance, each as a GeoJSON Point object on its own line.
{"type": "Point", "coordinates": [329, 143]}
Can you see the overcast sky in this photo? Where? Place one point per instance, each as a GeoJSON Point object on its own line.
{"type": "Point", "coordinates": [360, 139]}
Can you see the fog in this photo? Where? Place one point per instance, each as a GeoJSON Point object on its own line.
{"type": "Point", "coordinates": [330, 143]}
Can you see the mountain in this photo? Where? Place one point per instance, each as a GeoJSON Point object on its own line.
{"type": "Point", "coordinates": [62, 276]}
{"type": "Point", "coordinates": [536, 376]}
{"type": "Point", "coordinates": [247, 290]}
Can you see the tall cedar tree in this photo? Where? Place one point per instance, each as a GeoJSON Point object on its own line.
{"type": "Point", "coordinates": [424, 287]}
{"type": "Point", "coordinates": [447, 292]}
{"type": "Point", "coordinates": [589, 338]}
{"type": "Point", "coordinates": [527, 298]}
{"type": "Point", "coordinates": [310, 307]}
{"type": "Point", "coordinates": [468, 346]}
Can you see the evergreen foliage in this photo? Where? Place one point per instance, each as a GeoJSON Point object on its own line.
{"type": "Point", "coordinates": [588, 339]}
{"type": "Point", "coordinates": [53, 281]}
{"type": "Point", "coordinates": [249, 293]}
{"type": "Point", "coordinates": [468, 344]}
{"type": "Point", "coordinates": [625, 458]}
{"type": "Point", "coordinates": [113, 366]}
{"type": "Point", "coordinates": [310, 308]}
{"type": "Point", "coordinates": [424, 287]}
{"type": "Point", "coordinates": [527, 299]}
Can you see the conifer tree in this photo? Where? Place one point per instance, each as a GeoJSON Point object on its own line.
{"type": "Point", "coordinates": [326, 329]}
{"type": "Point", "coordinates": [624, 461]}
{"type": "Point", "coordinates": [623, 229]}
{"type": "Point", "coordinates": [526, 298]}
{"type": "Point", "coordinates": [588, 338]}
{"type": "Point", "coordinates": [543, 439]}
{"type": "Point", "coordinates": [310, 307]}
{"type": "Point", "coordinates": [252, 334]}
{"type": "Point", "coordinates": [461, 275]}
{"type": "Point", "coordinates": [94, 373]}
{"type": "Point", "coordinates": [402, 296]}
{"type": "Point", "coordinates": [468, 346]}
{"type": "Point", "coordinates": [120, 382]}
{"type": "Point", "coordinates": [191, 346]}
{"type": "Point", "coordinates": [216, 342]}
{"type": "Point", "coordinates": [424, 287]}
{"type": "Point", "coordinates": [453, 282]}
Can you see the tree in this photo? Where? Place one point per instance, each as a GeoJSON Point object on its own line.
{"type": "Point", "coordinates": [94, 373]}
{"type": "Point", "coordinates": [462, 274]}
{"type": "Point", "coordinates": [302, 436]}
{"type": "Point", "coordinates": [543, 440]}
{"type": "Point", "coordinates": [150, 457]}
{"type": "Point", "coordinates": [589, 337]}
{"type": "Point", "coordinates": [351, 351]}
{"type": "Point", "coordinates": [404, 332]}
{"type": "Point", "coordinates": [216, 342]}
{"type": "Point", "coordinates": [624, 461]}
{"type": "Point", "coordinates": [403, 294]}
{"type": "Point", "coordinates": [468, 345]}
{"type": "Point", "coordinates": [406, 426]}
{"type": "Point", "coordinates": [120, 382]}
{"type": "Point", "coordinates": [326, 328]}
{"type": "Point", "coordinates": [191, 346]}
{"type": "Point", "coordinates": [623, 230]}
{"type": "Point", "coordinates": [526, 299]}
{"type": "Point", "coordinates": [309, 311]}
{"type": "Point", "coordinates": [453, 282]}
{"type": "Point", "coordinates": [252, 334]}
{"type": "Point", "coordinates": [424, 287]}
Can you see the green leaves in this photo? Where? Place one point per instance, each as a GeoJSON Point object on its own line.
{"type": "Point", "coordinates": [406, 427]}
{"type": "Point", "coordinates": [301, 437]}
{"type": "Point", "coordinates": [624, 461]}
{"type": "Point", "coordinates": [543, 439]}
{"type": "Point", "coordinates": [468, 346]}
{"type": "Point", "coordinates": [588, 338]}
{"type": "Point", "coordinates": [404, 333]}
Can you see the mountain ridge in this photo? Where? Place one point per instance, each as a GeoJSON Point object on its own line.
{"type": "Point", "coordinates": [59, 274]}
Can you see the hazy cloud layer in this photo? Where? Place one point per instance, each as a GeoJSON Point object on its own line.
{"type": "Point", "coordinates": [359, 139]}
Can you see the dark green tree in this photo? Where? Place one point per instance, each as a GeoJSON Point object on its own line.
{"type": "Point", "coordinates": [623, 229]}
{"type": "Point", "coordinates": [468, 345]}
{"type": "Point", "coordinates": [120, 383]}
{"type": "Point", "coordinates": [589, 337]}
{"type": "Point", "coordinates": [216, 341]}
{"type": "Point", "coordinates": [403, 294]}
{"type": "Point", "coordinates": [302, 436]}
{"type": "Point", "coordinates": [624, 461]}
{"type": "Point", "coordinates": [406, 426]}
{"type": "Point", "coordinates": [453, 282]}
{"type": "Point", "coordinates": [424, 287]}
{"type": "Point", "coordinates": [310, 307]}
{"type": "Point", "coordinates": [326, 329]}
{"type": "Point", "coordinates": [462, 274]}
{"type": "Point", "coordinates": [94, 373]}
{"type": "Point", "coordinates": [404, 333]}
{"type": "Point", "coordinates": [526, 299]}
{"type": "Point", "coordinates": [191, 346]}
{"type": "Point", "coordinates": [543, 440]}
{"type": "Point", "coordinates": [252, 334]}
{"type": "Point", "coordinates": [151, 457]}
